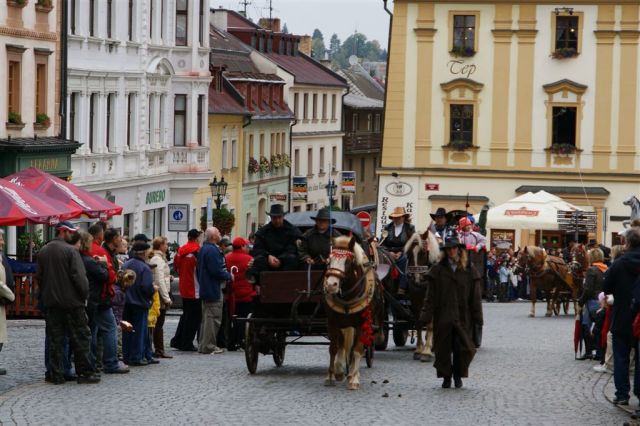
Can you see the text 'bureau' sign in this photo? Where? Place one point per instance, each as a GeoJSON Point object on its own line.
{"type": "Point", "coordinates": [155, 197]}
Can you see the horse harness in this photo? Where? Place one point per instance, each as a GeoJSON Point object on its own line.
{"type": "Point", "coordinates": [359, 296]}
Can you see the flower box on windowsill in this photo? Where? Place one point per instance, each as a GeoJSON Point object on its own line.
{"type": "Point", "coordinates": [41, 126]}
{"type": "Point", "coordinates": [563, 149]}
{"type": "Point", "coordinates": [564, 53]}
{"type": "Point", "coordinates": [463, 52]}
{"type": "Point", "coordinates": [17, 3]}
{"type": "Point", "coordinates": [14, 126]}
{"type": "Point", "coordinates": [459, 146]}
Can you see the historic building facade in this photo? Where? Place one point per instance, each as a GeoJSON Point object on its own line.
{"type": "Point", "coordinates": [137, 101]}
{"type": "Point", "coordinates": [488, 99]}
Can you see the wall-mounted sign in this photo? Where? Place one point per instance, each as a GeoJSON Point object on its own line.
{"type": "Point", "coordinates": [155, 197]}
{"type": "Point", "coordinates": [503, 239]}
{"type": "Point", "coordinates": [299, 189]}
{"type": "Point", "coordinates": [432, 186]}
{"type": "Point", "coordinates": [460, 67]}
{"type": "Point", "coordinates": [348, 182]}
{"type": "Point", "coordinates": [398, 189]}
{"type": "Point", "coordinates": [278, 196]}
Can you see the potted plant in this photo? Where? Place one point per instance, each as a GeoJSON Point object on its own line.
{"type": "Point", "coordinates": [224, 220]}
{"type": "Point", "coordinates": [43, 121]}
{"type": "Point", "coordinates": [265, 167]}
{"type": "Point", "coordinates": [286, 161]}
{"type": "Point", "coordinates": [17, 3]}
{"type": "Point", "coordinates": [276, 161]}
{"type": "Point", "coordinates": [462, 52]}
{"type": "Point", "coordinates": [44, 5]}
{"type": "Point", "coordinates": [254, 166]}
{"type": "Point", "coordinates": [564, 53]}
{"type": "Point", "coordinates": [14, 118]}
{"type": "Point", "coordinates": [459, 145]}
{"type": "Point", "coordinates": [562, 148]}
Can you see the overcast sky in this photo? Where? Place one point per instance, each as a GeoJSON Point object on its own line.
{"type": "Point", "coordinates": [342, 17]}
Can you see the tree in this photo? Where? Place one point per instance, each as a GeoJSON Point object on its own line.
{"type": "Point", "coordinates": [317, 34]}
{"type": "Point", "coordinates": [317, 48]}
{"type": "Point", "coordinates": [285, 30]}
{"type": "Point", "coordinates": [334, 45]}
{"type": "Point", "coordinates": [224, 220]}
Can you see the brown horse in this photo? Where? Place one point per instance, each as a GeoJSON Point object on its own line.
{"type": "Point", "coordinates": [349, 288]}
{"type": "Point", "coordinates": [422, 251]}
{"type": "Point", "coordinates": [548, 273]}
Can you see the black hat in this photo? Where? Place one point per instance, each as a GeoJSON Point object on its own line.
{"type": "Point", "coordinates": [140, 247]}
{"type": "Point", "coordinates": [440, 212]}
{"type": "Point", "coordinates": [65, 225]}
{"type": "Point", "coordinates": [193, 234]}
{"type": "Point", "coordinates": [323, 214]}
{"type": "Point", "coordinates": [276, 210]}
{"type": "Point", "coordinates": [141, 237]}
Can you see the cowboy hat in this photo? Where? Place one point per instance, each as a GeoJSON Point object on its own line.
{"type": "Point", "coordinates": [323, 214]}
{"type": "Point", "coordinates": [451, 241]}
{"type": "Point", "coordinates": [399, 212]}
{"type": "Point", "coordinates": [276, 210]}
{"type": "Point", "coordinates": [440, 212]}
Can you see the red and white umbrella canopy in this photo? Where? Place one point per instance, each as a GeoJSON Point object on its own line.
{"type": "Point", "coordinates": [70, 195]}
{"type": "Point", "coordinates": [18, 206]}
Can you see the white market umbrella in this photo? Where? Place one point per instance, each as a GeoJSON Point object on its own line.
{"type": "Point", "coordinates": [531, 211]}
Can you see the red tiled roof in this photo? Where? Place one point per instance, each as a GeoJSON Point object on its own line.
{"type": "Point", "coordinates": [307, 71]}
{"type": "Point", "coordinates": [225, 102]}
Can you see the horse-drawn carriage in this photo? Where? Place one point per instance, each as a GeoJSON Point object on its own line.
{"type": "Point", "coordinates": [295, 305]}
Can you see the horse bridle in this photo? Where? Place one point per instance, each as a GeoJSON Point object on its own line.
{"type": "Point", "coordinates": [358, 288]}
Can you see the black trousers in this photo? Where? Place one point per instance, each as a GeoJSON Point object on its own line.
{"type": "Point", "coordinates": [188, 326]}
{"type": "Point", "coordinates": [289, 262]}
{"type": "Point", "coordinates": [243, 309]}
{"type": "Point", "coordinates": [73, 323]}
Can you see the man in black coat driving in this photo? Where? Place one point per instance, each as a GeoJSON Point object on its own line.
{"type": "Point", "coordinates": [275, 248]}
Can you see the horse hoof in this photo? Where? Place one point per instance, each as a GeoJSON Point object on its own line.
{"type": "Point", "coordinates": [339, 377]}
{"type": "Point", "coordinates": [426, 358]}
{"type": "Point", "coordinates": [416, 356]}
{"type": "Point", "coordinates": [353, 386]}
{"type": "Point", "coordinates": [532, 315]}
{"type": "Point", "coordinates": [548, 314]}
{"type": "Point", "coordinates": [329, 382]}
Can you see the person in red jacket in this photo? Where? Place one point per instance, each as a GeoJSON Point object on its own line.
{"type": "Point", "coordinates": [243, 292]}
{"type": "Point", "coordinates": [185, 264]}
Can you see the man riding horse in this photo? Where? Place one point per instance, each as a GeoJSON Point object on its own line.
{"type": "Point", "coordinates": [395, 236]}
{"type": "Point", "coordinates": [440, 224]}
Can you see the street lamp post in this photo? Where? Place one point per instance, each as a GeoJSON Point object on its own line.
{"type": "Point", "coordinates": [331, 191]}
{"type": "Point", "coordinates": [218, 190]}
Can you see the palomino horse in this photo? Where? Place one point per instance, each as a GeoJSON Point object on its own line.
{"type": "Point", "coordinates": [349, 288]}
{"type": "Point", "coordinates": [549, 273]}
{"type": "Point", "coordinates": [422, 251]}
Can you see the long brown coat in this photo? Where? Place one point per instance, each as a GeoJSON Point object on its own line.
{"type": "Point", "coordinates": [453, 302]}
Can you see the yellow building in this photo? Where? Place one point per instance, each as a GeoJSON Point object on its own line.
{"type": "Point", "coordinates": [490, 99]}
{"type": "Point", "coordinates": [227, 116]}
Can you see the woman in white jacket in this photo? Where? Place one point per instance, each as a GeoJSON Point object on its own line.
{"type": "Point", "coordinates": [6, 295]}
{"type": "Point", "coordinates": [161, 281]}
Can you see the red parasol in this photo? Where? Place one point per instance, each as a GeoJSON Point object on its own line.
{"type": "Point", "coordinates": [43, 183]}
{"type": "Point", "coordinates": [19, 206]}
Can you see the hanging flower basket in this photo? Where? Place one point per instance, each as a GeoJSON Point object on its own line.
{"type": "Point", "coordinates": [564, 53]}
{"type": "Point", "coordinates": [562, 148]}
{"type": "Point", "coordinates": [276, 161]}
{"type": "Point", "coordinates": [286, 161]}
{"type": "Point", "coordinates": [254, 166]}
{"type": "Point", "coordinates": [265, 167]}
{"type": "Point", "coordinates": [463, 52]}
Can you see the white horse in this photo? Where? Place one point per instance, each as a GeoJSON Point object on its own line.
{"type": "Point", "coordinates": [422, 251]}
{"type": "Point", "coordinates": [634, 203]}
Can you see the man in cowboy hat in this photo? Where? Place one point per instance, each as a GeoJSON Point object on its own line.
{"type": "Point", "coordinates": [275, 248]}
{"type": "Point", "coordinates": [440, 223]}
{"type": "Point", "coordinates": [316, 242]}
{"type": "Point", "coordinates": [396, 234]}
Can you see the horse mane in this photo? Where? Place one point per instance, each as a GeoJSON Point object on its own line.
{"type": "Point", "coordinates": [537, 253]}
{"type": "Point", "coordinates": [343, 242]}
{"type": "Point", "coordinates": [431, 242]}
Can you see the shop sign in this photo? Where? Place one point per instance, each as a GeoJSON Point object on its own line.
{"type": "Point", "coordinates": [432, 186]}
{"type": "Point", "coordinates": [47, 164]}
{"type": "Point", "coordinates": [503, 239]}
{"type": "Point", "coordinates": [522, 212]}
{"type": "Point", "coordinates": [155, 197]}
{"type": "Point", "coordinates": [278, 196]}
{"type": "Point", "coordinates": [398, 189]}
{"type": "Point", "coordinates": [459, 67]}
{"type": "Point", "coordinates": [299, 190]}
{"type": "Point", "coordinates": [348, 182]}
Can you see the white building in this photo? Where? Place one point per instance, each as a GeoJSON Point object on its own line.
{"type": "Point", "coordinates": [137, 100]}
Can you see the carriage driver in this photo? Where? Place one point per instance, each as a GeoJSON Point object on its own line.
{"type": "Point", "coordinates": [440, 223]}
{"type": "Point", "coordinates": [398, 233]}
{"type": "Point", "coordinates": [315, 245]}
{"type": "Point", "coordinates": [275, 248]}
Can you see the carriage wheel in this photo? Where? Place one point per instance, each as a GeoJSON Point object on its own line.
{"type": "Point", "coordinates": [382, 336]}
{"type": "Point", "coordinates": [251, 346]}
{"type": "Point", "coordinates": [278, 350]}
{"type": "Point", "coordinates": [400, 335]}
{"type": "Point", "coordinates": [369, 352]}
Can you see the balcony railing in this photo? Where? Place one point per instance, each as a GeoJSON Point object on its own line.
{"type": "Point", "coordinates": [189, 159]}
{"type": "Point", "coordinates": [361, 142]}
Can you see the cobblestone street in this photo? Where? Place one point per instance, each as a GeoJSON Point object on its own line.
{"type": "Point", "coordinates": [523, 374]}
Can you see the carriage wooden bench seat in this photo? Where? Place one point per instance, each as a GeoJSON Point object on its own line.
{"type": "Point", "coordinates": [287, 286]}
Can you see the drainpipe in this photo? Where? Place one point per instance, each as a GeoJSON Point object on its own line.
{"type": "Point", "coordinates": [63, 71]}
{"type": "Point", "coordinates": [342, 128]}
{"type": "Point", "coordinates": [293, 123]}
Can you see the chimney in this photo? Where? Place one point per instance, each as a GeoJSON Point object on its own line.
{"type": "Point", "coordinates": [272, 24]}
{"type": "Point", "coordinates": [305, 45]}
{"type": "Point", "coordinates": [218, 19]}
